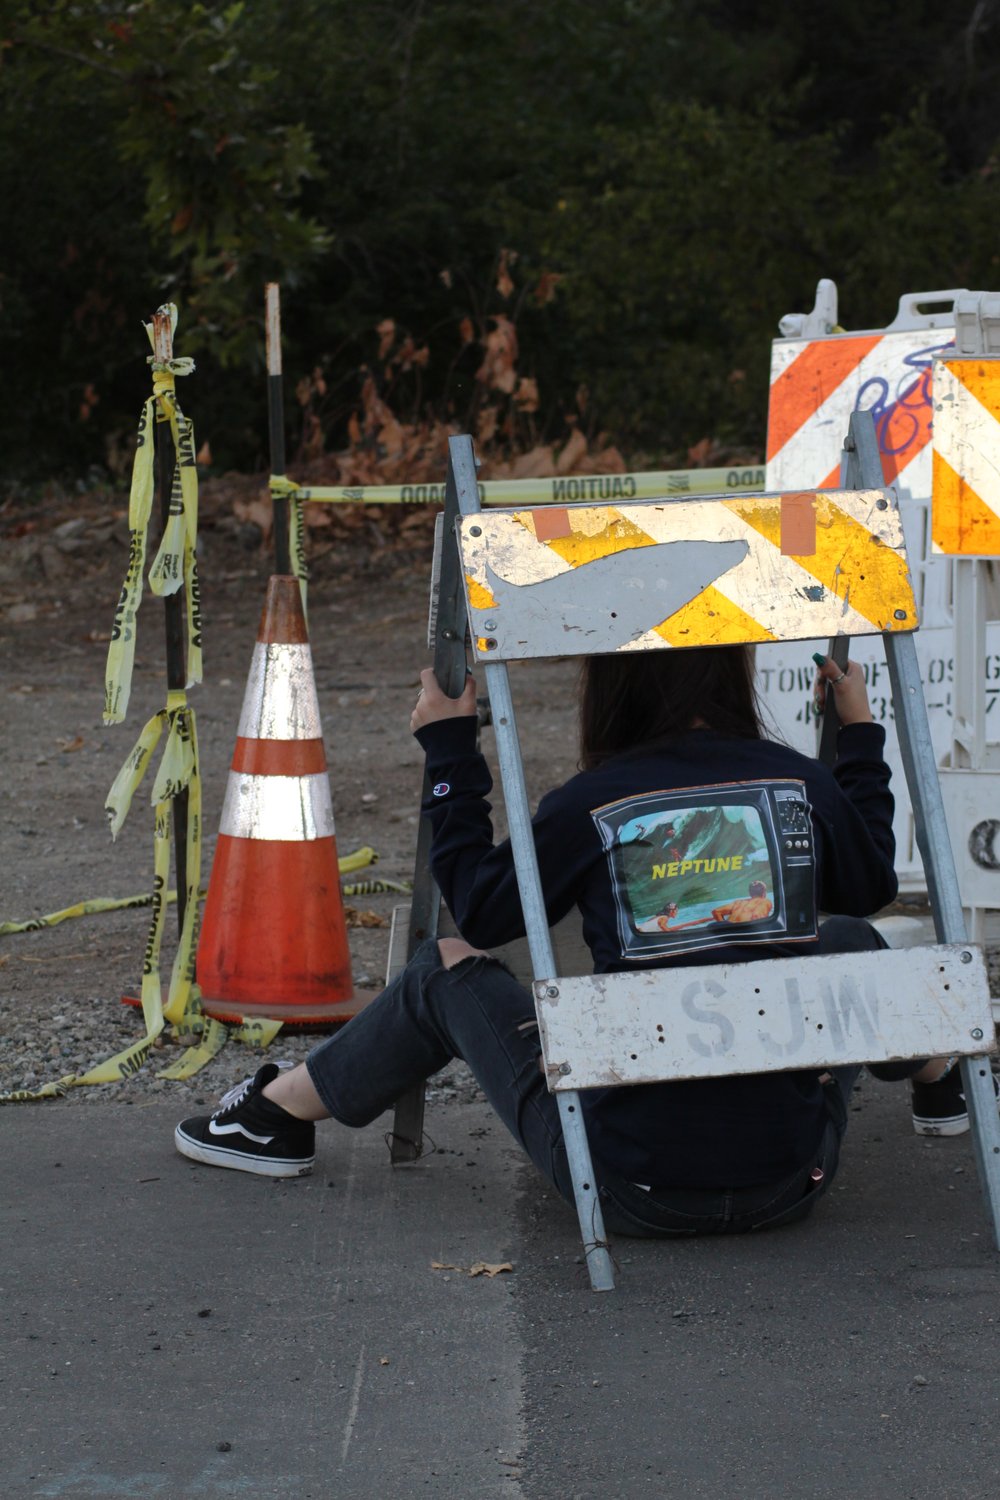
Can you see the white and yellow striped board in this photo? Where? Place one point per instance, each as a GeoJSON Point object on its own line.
{"type": "Point", "coordinates": [965, 500]}
{"type": "Point", "coordinates": [582, 580]}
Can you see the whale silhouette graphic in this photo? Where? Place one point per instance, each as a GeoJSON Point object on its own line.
{"type": "Point", "coordinates": [615, 599]}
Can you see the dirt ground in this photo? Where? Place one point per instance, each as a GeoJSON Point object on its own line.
{"type": "Point", "coordinates": [62, 561]}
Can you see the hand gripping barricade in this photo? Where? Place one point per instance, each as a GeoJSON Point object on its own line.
{"type": "Point", "coordinates": [659, 574]}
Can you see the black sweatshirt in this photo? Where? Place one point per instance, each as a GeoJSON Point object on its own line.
{"type": "Point", "coordinates": [704, 849]}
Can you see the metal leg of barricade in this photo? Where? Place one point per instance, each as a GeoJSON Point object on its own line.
{"type": "Point", "coordinates": [588, 1206]}
{"type": "Point", "coordinates": [920, 767]}
{"type": "Point", "coordinates": [931, 827]}
{"type": "Point", "coordinates": [448, 609]}
{"type": "Point", "coordinates": [543, 967]}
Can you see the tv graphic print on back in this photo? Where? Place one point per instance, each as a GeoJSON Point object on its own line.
{"type": "Point", "coordinates": [710, 865]}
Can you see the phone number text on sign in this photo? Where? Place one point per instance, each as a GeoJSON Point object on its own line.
{"type": "Point", "coordinates": [786, 674]}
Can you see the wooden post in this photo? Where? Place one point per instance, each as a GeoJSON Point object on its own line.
{"type": "Point", "coordinates": [276, 424]}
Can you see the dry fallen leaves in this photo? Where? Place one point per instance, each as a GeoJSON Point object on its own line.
{"type": "Point", "coordinates": [526, 396]}
{"type": "Point", "coordinates": [257, 511]}
{"type": "Point", "coordinates": [545, 288]}
{"type": "Point", "coordinates": [505, 284]}
{"type": "Point", "coordinates": [497, 370]}
{"type": "Point", "coordinates": [570, 458]}
{"type": "Point", "coordinates": [355, 918]}
{"type": "Point", "coordinates": [478, 1268]}
{"type": "Point", "coordinates": [386, 331]}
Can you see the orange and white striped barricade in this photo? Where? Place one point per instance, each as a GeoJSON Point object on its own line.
{"type": "Point", "coordinates": [274, 939]}
{"type": "Point", "coordinates": [966, 461]}
{"type": "Point", "coordinates": [818, 378]}
{"type": "Point", "coordinates": [966, 528]}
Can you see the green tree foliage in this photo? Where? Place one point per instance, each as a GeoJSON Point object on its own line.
{"type": "Point", "coordinates": [143, 147]}
{"type": "Point", "coordinates": [641, 188]}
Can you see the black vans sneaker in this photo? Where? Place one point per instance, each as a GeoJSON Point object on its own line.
{"type": "Point", "coordinates": [939, 1108]}
{"type": "Point", "coordinates": [250, 1134]}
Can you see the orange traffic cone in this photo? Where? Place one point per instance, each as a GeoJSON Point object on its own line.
{"type": "Point", "coordinates": [273, 938]}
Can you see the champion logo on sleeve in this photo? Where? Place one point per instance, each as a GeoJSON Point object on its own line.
{"type": "Point", "coordinates": [442, 789]}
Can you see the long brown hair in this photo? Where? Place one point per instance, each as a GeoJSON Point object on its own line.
{"type": "Point", "coordinates": [632, 699]}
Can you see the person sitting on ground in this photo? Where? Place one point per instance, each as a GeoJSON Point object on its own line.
{"type": "Point", "coordinates": [716, 1155]}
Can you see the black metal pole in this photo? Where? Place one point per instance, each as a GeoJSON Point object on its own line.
{"type": "Point", "coordinates": [276, 424]}
{"type": "Point", "coordinates": [425, 904]}
{"type": "Point", "coordinates": [173, 603]}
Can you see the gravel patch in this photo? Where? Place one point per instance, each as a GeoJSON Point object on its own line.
{"type": "Point", "coordinates": [63, 1037]}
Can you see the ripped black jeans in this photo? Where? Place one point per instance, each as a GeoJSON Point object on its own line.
{"type": "Point", "coordinates": [477, 1011]}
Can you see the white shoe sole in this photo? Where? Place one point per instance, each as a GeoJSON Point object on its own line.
{"type": "Point", "coordinates": [238, 1161]}
{"type": "Point", "coordinates": [959, 1125]}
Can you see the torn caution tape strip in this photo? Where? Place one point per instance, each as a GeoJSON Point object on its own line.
{"type": "Point", "coordinates": [81, 909]}
{"type": "Point", "coordinates": [377, 887]}
{"type": "Point", "coordinates": [178, 771]}
{"type": "Point", "coordinates": [175, 563]}
{"type": "Point", "coordinates": [357, 860]}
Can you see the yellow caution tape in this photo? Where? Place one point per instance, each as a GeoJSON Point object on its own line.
{"type": "Point", "coordinates": [121, 651]}
{"type": "Point", "coordinates": [359, 860]}
{"type": "Point", "coordinates": [183, 1006]}
{"type": "Point", "coordinates": [126, 783]}
{"type": "Point", "coordinates": [185, 768]}
{"type": "Point", "coordinates": [166, 574]}
{"type": "Point", "coordinates": [178, 771]}
{"type": "Point", "coordinates": [98, 904]}
{"type": "Point", "coordinates": [214, 1037]}
{"type": "Point", "coordinates": [557, 490]}
{"type": "Point", "coordinates": [175, 562]}
{"type": "Point", "coordinates": [297, 552]}
{"type": "Point", "coordinates": [377, 887]}
{"type": "Point", "coordinates": [80, 909]}
{"type": "Point", "coordinates": [256, 1031]}
{"type": "Point", "coordinates": [178, 763]}
{"type": "Point", "coordinates": [129, 1061]}
{"type": "Point", "coordinates": [283, 488]}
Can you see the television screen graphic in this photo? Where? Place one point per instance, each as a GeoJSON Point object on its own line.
{"type": "Point", "coordinates": [711, 865]}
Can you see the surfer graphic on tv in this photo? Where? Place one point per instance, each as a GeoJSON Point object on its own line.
{"type": "Point", "coordinates": [750, 908]}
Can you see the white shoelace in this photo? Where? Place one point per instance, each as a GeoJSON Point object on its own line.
{"type": "Point", "coordinates": [236, 1094]}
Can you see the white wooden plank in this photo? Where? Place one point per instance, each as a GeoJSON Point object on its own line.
{"type": "Point", "coordinates": [602, 1030]}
